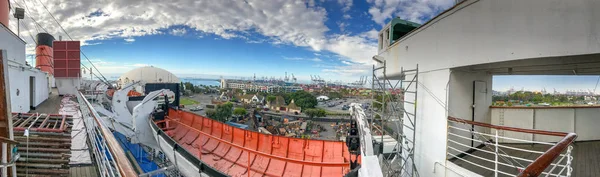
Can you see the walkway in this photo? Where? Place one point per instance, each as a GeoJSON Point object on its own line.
{"type": "Point", "coordinates": [51, 105]}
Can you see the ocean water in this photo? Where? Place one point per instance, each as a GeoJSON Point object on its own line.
{"type": "Point", "coordinates": [202, 82]}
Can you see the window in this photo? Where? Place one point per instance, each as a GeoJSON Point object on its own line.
{"type": "Point", "coordinates": [381, 41]}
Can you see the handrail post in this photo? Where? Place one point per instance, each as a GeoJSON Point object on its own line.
{"type": "Point", "coordinates": [496, 153]}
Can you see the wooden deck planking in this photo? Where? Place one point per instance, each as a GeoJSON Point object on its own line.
{"type": "Point", "coordinates": [586, 159]}
{"type": "Point", "coordinates": [49, 106]}
{"type": "Point", "coordinates": [84, 171]}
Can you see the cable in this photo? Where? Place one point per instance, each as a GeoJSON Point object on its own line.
{"type": "Point", "coordinates": [596, 85]}
{"type": "Point", "coordinates": [479, 137]}
{"type": "Point", "coordinates": [30, 16]}
{"type": "Point", "coordinates": [63, 29]}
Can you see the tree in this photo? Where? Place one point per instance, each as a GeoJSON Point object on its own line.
{"type": "Point", "coordinates": [333, 95]}
{"type": "Point", "coordinates": [311, 113]}
{"type": "Point", "coordinates": [239, 111]}
{"type": "Point", "coordinates": [211, 114]}
{"type": "Point", "coordinates": [270, 98]}
{"type": "Point", "coordinates": [222, 113]}
{"type": "Point", "coordinates": [303, 99]}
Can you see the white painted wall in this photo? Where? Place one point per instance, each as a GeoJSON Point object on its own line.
{"type": "Point", "coordinates": [485, 31]}
{"type": "Point", "coordinates": [431, 121]}
{"type": "Point", "coordinates": [583, 121]}
{"type": "Point", "coordinates": [561, 120]}
{"type": "Point", "coordinates": [19, 74]}
{"type": "Point", "coordinates": [587, 121]}
{"type": "Point", "coordinates": [19, 87]}
{"type": "Point", "coordinates": [14, 46]}
{"type": "Point", "coordinates": [519, 118]}
{"type": "Point", "coordinates": [67, 86]}
{"type": "Point", "coordinates": [460, 99]}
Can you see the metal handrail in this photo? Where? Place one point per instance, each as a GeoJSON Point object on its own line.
{"type": "Point", "coordinates": [544, 161]}
{"type": "Point", "coordinates": [108, 145]}
{"type": "Point", "coordinates": [536, 167]}
{"type": "Point", "coordinates": [514, 129]}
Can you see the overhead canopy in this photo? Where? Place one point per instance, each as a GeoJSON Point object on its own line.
{"type": "Point", "coordinates": [400, 28]}
{"type": "Point", "coordinates": [563, 65]}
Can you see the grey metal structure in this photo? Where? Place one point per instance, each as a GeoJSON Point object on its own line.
{"type": "Point", "coordinates": [395, 116]}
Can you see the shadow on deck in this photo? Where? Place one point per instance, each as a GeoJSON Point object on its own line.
{"type": "Point", "coordinates": [49, 106]}
{"type": "Point", "coordinates": [586, 159]}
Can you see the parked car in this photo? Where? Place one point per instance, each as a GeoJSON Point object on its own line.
{"type": "Point", "coordinates": [197, 108]}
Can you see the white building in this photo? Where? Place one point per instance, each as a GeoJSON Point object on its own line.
{"type": "Point", "coordinates": [148, 74]}
{"type": "Point", "coordinates": [27, 85]}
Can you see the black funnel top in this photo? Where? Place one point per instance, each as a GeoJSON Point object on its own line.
{"type": "Point", "coordinates": [44, 39]}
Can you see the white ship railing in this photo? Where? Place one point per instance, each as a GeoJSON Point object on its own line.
{"type": "Point", "coordinates": [483, 154]}
{"type": "Point", "coordinates": [109, 156]}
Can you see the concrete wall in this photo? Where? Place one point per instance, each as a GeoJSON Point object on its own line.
{"type": "Point", "coordinates": [583, 121]}
{"type": "Point", "coordinates": [485, 31]}
{"type": "Point", "coordinates": [460, 100]}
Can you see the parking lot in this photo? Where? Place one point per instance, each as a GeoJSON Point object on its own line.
{"type": "Point", "coordinates": [203, 100]}
{"type": "Point", "coordinates": [340, 103]}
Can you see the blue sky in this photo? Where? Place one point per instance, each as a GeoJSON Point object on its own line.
{"type": "Point", "coordinates": [331, 38]}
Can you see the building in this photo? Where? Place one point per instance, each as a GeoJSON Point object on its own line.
{"type": "Point", "coordinates": [292, 107]}
{"type": "Point", "coordinates": [147, 74]}
{"type": "Point", "coordinates": [322, 98]}
{"type": "Point", "coordinates": [28, 86]}
{"type": "Point", "coordinates": [252, 99]}
{"type": "Point", "coordinates": [258, 86]}
{"type": "Point", "coordinates": [277, 104]}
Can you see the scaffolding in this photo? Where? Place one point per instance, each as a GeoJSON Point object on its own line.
{"type": "Point", "coordinates": [393, 113]}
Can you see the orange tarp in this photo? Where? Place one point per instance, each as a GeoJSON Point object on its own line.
{"type": "Point", "coordinates": [232, 150]}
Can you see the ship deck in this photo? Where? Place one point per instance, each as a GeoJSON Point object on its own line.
{"type": "Point", "coordinates": [586, 159]}
{"type": "Point", "coordinates": [52, 106]}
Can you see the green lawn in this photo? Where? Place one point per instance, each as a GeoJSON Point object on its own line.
{"type": "Point", "coordinates": [187, 101]}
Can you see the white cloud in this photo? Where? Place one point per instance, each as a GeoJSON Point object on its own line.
{"type": "Point", "coordinates": [302, 59]}
{"type": "Point", "coordinates": [178, 32]}
{"type": "Point", "coordinates": [346, 5]}
{"type": "Point", "coordinates": [347, 16]}
{"type": "Point", "coordinates": [412, 10]}
{"type": "Point", "coordinates": [355, 48]}
{"type": "Point", "coordinates": [371, 34]}
{"type": "Point", "coordinates": [289, 22]}
{"type": "Point", "coordinates": [279, 22]}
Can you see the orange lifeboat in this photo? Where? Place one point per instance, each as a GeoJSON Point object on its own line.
{"type": "Point", "coordinates": [239, 152]}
